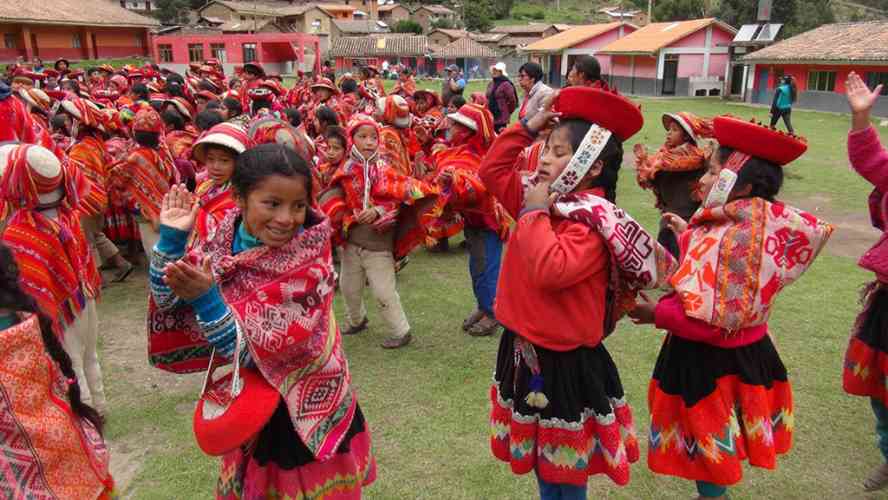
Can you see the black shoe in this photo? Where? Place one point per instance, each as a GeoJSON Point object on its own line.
{"type": "Point", "coordinates": [357, 329]}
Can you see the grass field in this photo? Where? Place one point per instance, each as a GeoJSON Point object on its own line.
{"type": "Point", "coordinates": [427, 404]}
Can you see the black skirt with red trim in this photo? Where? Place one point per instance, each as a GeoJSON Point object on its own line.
{"type": "Point", "coordinates": [583, 428]}
{"type": "Point", "coordinates": [866, 360]}
{"type": "Point", "coordinates": [712, 408]}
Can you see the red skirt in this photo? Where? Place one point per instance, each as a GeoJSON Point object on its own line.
{"type": "Point", "coordinates": [278, 465]}
{"type": "Point", "coordinates": [585, 428]}
{"type": "Point", "coordinates": [866, 360]}
{"type": "Point", "coordinates": [712, 408]}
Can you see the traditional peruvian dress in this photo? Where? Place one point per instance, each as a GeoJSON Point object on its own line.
{"type": "Point", "coordinates": [720, 393]}
{"type": "Point", "coordinates": [316, 443]}
{"type": "Point", "coordinates": [557, 403]}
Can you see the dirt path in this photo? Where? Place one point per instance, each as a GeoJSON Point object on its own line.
{"type": "Point", "coordinates": [854, 232]}
{"type": "Point", "coordinates": [129, 377]}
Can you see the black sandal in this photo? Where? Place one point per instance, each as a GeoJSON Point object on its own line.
{"type": "Point", "coordinates": [357, 329]}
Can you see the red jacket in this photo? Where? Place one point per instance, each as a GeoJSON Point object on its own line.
{"type": "Point", "coordinates": [554, 275]}
{"type": "Point", "coordinates": [16, 124]}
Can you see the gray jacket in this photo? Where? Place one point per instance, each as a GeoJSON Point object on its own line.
{"type": "Point", "coordinates": [533, 100]}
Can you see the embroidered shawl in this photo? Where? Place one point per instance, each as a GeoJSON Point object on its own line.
{"type": "Point", "coordinates": [49, 452]}
{"type": "Point", "coordinates": [179, 142]}
{"type": "Point", "coordinates": [684, 158]}
{"type": "Point", "coordinates": [88, 156]}
{"type": "Point", "coordinates": [363, 183]}
{"type": "Point", "coordinates": [56, 264]}
{"type": "Point", "coordinates": [282, 300]}
{"type": "Point", "coordinates": [215, 204]}
{"type": "Point", "coordinates": [393, 150]}
{"type": "Point", "coordinates": [741, 255]}
{"type": "Point", "coordinates": [465, 194]}
{"type": "Point", "coordinates": [148, 175]}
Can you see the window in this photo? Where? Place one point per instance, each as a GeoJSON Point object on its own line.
{"type": "Point", "coordinates": [10, 40]}
{"type": "Point", "coordinates": [218, 51]}
{"type": "Point", "coordinates": [195, 52]}
{"type": "Point", "coordinates": [249, 52]}
{"type": "Point", "coordinates": [165, 53]}
{"type": "Point", "coordinates": [824, 81]}
{"type": "Point", "coordinates": [873, 79]}
{"type": "Point", "coordinates": [76, 41]}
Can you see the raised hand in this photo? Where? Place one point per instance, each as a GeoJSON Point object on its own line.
{"type": "Point", "coordinates": [860, 98]}
{"type": "Point", "coordinates": [546, 117]}
{"type": "Point", "coordinates": [179, 208]}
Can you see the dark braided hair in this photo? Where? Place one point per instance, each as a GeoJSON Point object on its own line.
{"type": "Point", "coordinates": [14, 298]}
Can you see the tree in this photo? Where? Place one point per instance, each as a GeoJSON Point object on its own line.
{"type": "Point", "coordinates": [407, 26]}
{"type": "Point", "coordinates": [740, 12]}
{"type": "Point", "coordinates": [679, 10]}
{"type": "Point", "coordinates": [502, 8]}
{"type": "Point", "coordinates": [815, 13]}
{"type": "Point", "coordinates": [478, 14]}
{"type": "Point", "coordinates": [171, 11]}
{"type": "Point", "coordinates": [444, 23]}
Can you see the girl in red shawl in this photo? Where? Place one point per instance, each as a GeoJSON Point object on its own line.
{"type": "Point", "coordinates": [54, 445]}
{"type": "Point", "coordinates": [397, 144]}
{"type": "Point", "coordinates": [719, 393]}
{"type": "Point", "coordinates": [486, 224]}
{"type": "Point", "coordinates": [269, 258]}
{"type": "Point", "coordinates": [147, 174]}
{"type": "Point", "coordinates": [43, 231]}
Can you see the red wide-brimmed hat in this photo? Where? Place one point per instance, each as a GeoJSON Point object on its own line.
{"type": "Point", "coordinates": [756, 139]}
{"type": "Point", "coordinates": [273, 86]}
{"type": "Point", "coordinates": [604, 108]}
{"type": "Point", "coordinates": [182, 105]}
{"type": "Point", "coordinates": [425, 94]}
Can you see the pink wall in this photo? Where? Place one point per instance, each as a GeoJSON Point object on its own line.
{"type": "Point", "coordinates": [720, 38]}
{"type": "Point", "coordinates": [645, 66]}
{"type": "Point", "coordinates": [603, 39]}
{"type": "Point", "coordinates": [605, 62]}
{"type": "Point", "coordinates": [718, 64]}
{"type": "Point", "coordinates": [690, 65]}
{"type": "Point", "coordinates": [800, 73]}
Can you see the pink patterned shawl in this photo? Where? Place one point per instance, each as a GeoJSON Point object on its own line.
{"type": "Point", "coordinates": [282, 299]}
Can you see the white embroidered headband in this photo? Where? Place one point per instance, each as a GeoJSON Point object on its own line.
{"type": "Point", "coordinates": [723, 186]}
{"type": "Point", "coordinates": [589, 151]}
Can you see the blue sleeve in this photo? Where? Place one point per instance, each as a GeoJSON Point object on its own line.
{"type": "Point", "coordinates": [461, 83]}
{"type": "Point", "coordinates": [170, 248]}
{"type": "Point", "coordinates": [216, 321]}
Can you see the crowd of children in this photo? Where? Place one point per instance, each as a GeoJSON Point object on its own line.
{"type": "Point", "coordinates": [254, 204]}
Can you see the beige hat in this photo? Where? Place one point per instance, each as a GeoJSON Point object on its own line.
{"type": "Point", "coordinates": [501, 67]}
{"type": "Point", "coordinates": [44, 165]}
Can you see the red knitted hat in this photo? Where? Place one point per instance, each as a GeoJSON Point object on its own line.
{"type": "Point", "coordinates": [147, 120]}
{"type": "Point", "coordinates": [225, 134]}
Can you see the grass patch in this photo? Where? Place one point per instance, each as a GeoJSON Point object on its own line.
{"type": "Point", "coordinates": [427, 404]}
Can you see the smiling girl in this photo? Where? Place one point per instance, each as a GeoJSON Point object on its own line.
{"type": "Point", "coordinates": [266, 274]}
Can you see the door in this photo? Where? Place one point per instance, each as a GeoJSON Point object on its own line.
{"type": "Point", "coordinates": [670, 75]}
{"type": "Point", "coordinates": [34, 46]}
{"type": "Point", "coordinates": [761, 95]}
{"type": "Point", "coordinates": [555, 70]}
{"type": "Point", "coordinates": [737, 83]}
{"type": "Point", "coordinates": [95, 47]}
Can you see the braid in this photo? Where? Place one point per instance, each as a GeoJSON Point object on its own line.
{"type": "Point", "coordinates": [14, 298]}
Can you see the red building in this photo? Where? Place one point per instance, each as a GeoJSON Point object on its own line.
{"type": "Point", "coordinates": [72, 29]}
{"type": "Point", "coordinates": [276, 52]}
{"type": "Point", "coordinates": [820, 61]}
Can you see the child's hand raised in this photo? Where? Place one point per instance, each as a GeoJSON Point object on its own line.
{"type": "Point", "coordinates": [179, 208]}
{"type": "Point", "coordinates": [539, 196]}
{"type": "Point", "coordinates": [675, 223]}
{"type": "Point", "coordinates": [861, 100]}
{"type": "Point", "coordinates": [546, 117]}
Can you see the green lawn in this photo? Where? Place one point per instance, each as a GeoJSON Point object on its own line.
{"type": "Point", "coordinates": [427, 404]}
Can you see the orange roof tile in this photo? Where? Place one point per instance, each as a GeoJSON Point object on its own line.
{"type": "Point", "coordinates": [655, 36]}
{"type": "Point", "coordinates": [571, 37]}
